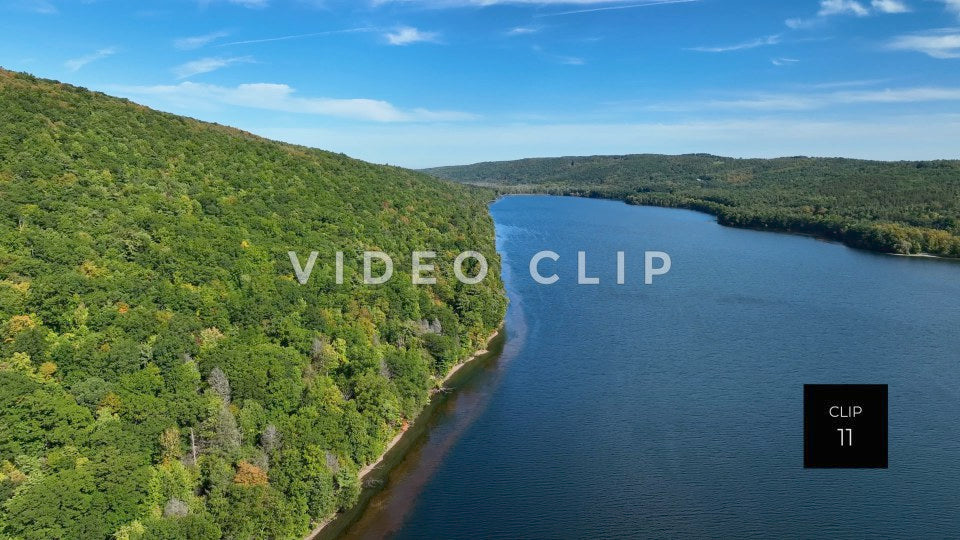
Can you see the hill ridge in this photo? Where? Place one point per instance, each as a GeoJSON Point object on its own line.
{"type": "Point", "coordinates": [904, 207]}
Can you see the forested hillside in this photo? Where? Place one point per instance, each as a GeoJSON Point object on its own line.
{"type": "Point", "coordinates": [162, 373]}
{"type": "Point", "coordinates": [894, 207]}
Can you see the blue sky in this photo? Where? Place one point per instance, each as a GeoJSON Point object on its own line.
{"type": "Point", "coordinates": [434, 82]}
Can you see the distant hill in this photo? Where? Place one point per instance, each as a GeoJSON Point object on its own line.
{"type": "Point", "coordinates": [895, 207]}
{"type": "Point", "coordinates": [162, 373]}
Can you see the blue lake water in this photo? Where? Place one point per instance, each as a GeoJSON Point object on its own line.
{"type": "Point", "coordinates": [675, 409]}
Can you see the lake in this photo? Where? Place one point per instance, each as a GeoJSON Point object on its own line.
{"type": "Point", "coordinates": [675, 409]}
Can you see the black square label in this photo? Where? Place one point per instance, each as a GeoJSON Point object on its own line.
{"type": "Point", "coordinates": [845, 426]}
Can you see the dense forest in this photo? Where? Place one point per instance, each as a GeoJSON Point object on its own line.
{"type": "Point", "coordinates": [892, 207]}
{"type": "Point", "coordinates": [162, 373]}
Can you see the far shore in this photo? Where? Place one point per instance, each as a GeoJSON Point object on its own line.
{"type": "Point", "coordinates": [822, 238]}
{"type": "Point", "coordinates": [367, 470]}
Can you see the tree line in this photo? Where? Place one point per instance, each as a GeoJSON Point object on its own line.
{"type": "Point", "coordinates": [906, 207]}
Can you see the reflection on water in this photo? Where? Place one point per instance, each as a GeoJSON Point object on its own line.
{"type": "Point", "coordinates": [470, 395]}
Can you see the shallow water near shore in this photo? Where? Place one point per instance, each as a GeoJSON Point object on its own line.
{"type": "Point", "coordinates": [675, 409]}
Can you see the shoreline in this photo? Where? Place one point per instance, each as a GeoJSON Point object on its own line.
{"type": "Point", "coordinates": [399, 437]}
{"type": "Point", "coordinates": [924, 256]}
{"type": "Point", "coordinates": [365, 471]}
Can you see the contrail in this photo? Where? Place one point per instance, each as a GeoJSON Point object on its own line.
{"type": "Point", "coordinates": [299, 36]}
{"type": "Point", "coordinates": [590, 10]}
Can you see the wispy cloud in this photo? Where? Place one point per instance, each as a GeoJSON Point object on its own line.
{"type": "Point", "coordinates": [845, 84]}
{"type": "Point", "coordinates": [282, 98]}
{"type": "Point", "coordinates": [784, 61]}
{"type": "Point", "coordinates": [590, 5]}
{"type": "Point", "coordinates": [254, 4]}
{"type": "Point", "coordinates": [953, 5]}
{"type": "Point", "coordinates": [559, 58]}
{"type": "Point", "coordinates": [798, 23]}
{"type": "Point", "coordinates": [484, 3]}
{"type": "Point", "coordinates": [43, 7]}
{"type": "Point", "coordinates": [842, 7]}
{"type": "Point", "coordinates": [943, 43]}
{"type": "Point", "coordinates": [571, 60]}
{"type": "Point", "coordinates": [407, 35]}
{"type": "Point", "coordinates": [195, 42]}
{"type": "Point", "coordinates": [609, 8]}
{"type": "Point", "coordinates": [76, 64]}
{"type": "Point", "coordinates": [522, 30]}
{"type": "Point", "coordinates": [785, 102]}
{"type": "Point", "coordinates": [752, 44]}
{"type": "Point", "coordinates": [206, 65]}
{"type": "Point", "coordinates": [890, 6]}
{"type": "Point", "coordinates": [300, 36]}
{"type": "Point", "coordinates": [829, 8]}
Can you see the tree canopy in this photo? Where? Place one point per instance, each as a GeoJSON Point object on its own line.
{"type": "Point", "coordinates": [162, 372]}
{"type": "Point", "coordinates": [904, 207]}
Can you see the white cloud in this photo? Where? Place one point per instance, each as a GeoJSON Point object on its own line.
{"type": "Point", "coordinates": [752, 44]}
{"type": "Point", "coordinates": [944, 43]}
{"type": "Point", "coordinates": [829, 8]}
{"type": "Point", "coordinates": [797, 23]}
{"type": "Point", "coordinates": [406, 35]}
{"type": "Point", "coordinates": [195, 42]}
{"type": "Point", "coordinates": [842, 7]}
{"type": "Point", "coordinates": [206, 65]}
{"type": "Point", "coordinates": [76, 64]}
{"type": "Point", "coordinates": [890, 6]}
{"type": "Point", "coordinates": [281, 98]}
